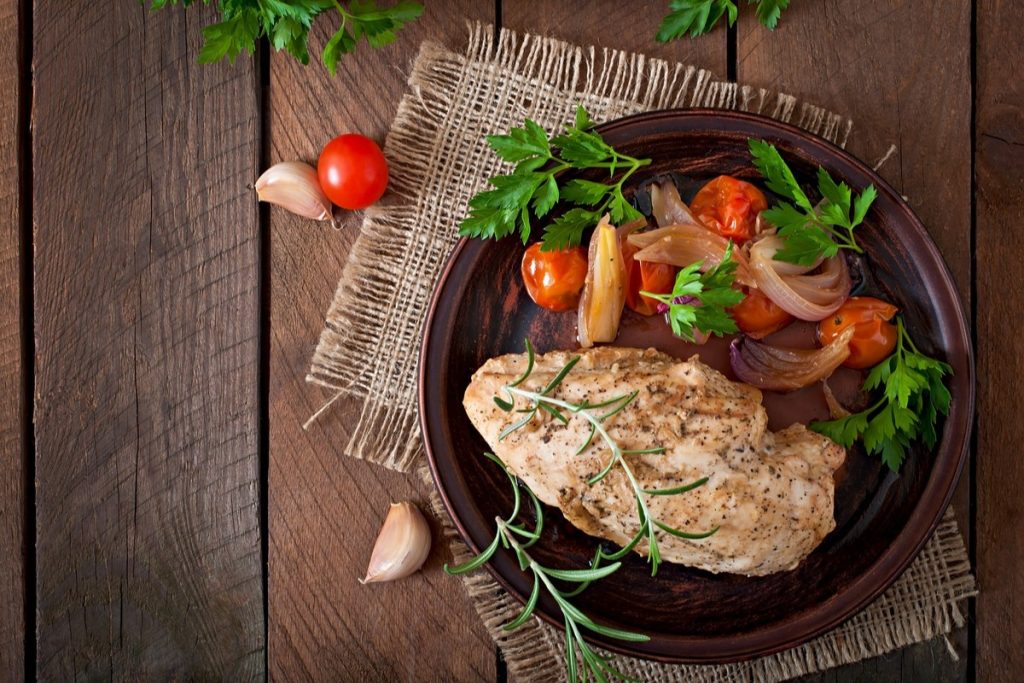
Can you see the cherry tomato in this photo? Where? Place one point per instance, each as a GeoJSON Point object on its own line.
{"type": "Point", "coordinates": [758, 316]}
{"type": "Point", "coordinates": [554, 279]}
{"type": "Point", "coordinates": [352, 171]}
{"type": "Point", "coordinates": [729, 206]}
{"type": "Point", "coordinates": [645, 276]}
{"type": "Point", "coordinates": [874, 337]}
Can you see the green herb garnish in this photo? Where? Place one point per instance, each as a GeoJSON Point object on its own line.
{"type": "Point", "coordinates": [914, 396]}
{"type": "Point", "coordinates": [810, 232]}
{"type": "Point", "coordinates": [532, 189]}
{"type": "Point", "coordinates": [700, 301]}
{"type": "Point", "coordinates": [597, 414]}
{"type": "Point", "coordinates": [286, 23]}
{"type": "Point", "coordinates": [518, 538]}
{"type": "Point", "coordinates": [700, 16]}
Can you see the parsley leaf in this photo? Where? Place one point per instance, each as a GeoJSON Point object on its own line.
{"type": "Point", "coordinates": [810, 232]}
{"type": "Point", "coordinates": [532, 190]}
{"type": "Point", "coordinates": [914, 395]}
{"type": "Point", "coordinates": [694, 17]}
{"type": "Point", "coordinates": [769, 11]}
{"type": "Point", "coordinates": [700, 301]}
{"type": "Point", "coordinates": [700, 16]}
{"type": "Point", "coordinates": [286, 24]}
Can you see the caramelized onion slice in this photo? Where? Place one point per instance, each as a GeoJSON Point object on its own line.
{"type": "Point", "coordinates": [681, 248]}
{"type": "Point", "coordinates": [668, 208]}
{"type": "Point", "coordinates": [807, 297]}
{"type": "Point", "coordinates": [783, 369]}
{"type": "Point", "coordinates": [604, 292]}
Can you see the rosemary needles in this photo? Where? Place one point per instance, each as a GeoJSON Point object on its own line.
{"type": "Point", "coordinates": [597, 415]}
{"type": "Point", "coordinates": [518, 538]}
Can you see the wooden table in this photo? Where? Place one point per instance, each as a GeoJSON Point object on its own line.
{"type": "Point", "coordinates": [162, 512]}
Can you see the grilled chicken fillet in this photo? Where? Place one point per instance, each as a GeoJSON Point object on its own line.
{"type": "Point", "coordinates": [769, 493]}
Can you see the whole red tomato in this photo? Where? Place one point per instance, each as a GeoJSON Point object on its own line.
{"type": "Point", "coordinates": [758, 316]}
{"type": "Point", "coordinates": [729, 206]}
{"type": "Point", "coordinates": [554, 279]}
{"type": "Point", "coordinates": [874, 337]}
{"type": "Point", "coordinates": [352, 171]}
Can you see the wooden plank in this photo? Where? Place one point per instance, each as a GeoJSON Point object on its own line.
{"type": "Point", "coordinates": [12, 474]}
{"type": "Point", "coordinates": [146, 321]}
{"type": "Point", "coordinates": [325, 509]}
{"type": "Point", "coordinates": [905, 87]}
{"type": "Point", "coordinates": [627, 25]}
{"type": "Point", "coordinates": [999, 145]}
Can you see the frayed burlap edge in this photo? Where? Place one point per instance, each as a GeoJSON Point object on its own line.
{"type": "Point", "coordinates": [438, 156]}
{"type": "Point", "coordinates": [924, 603]}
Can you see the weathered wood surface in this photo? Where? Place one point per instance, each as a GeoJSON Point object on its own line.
{"type": "Point", "coordinates": [912, 89]}
{"type": "Point", "coordinates": [146, 334]}
{"type": "Point", "coordinates": [999, 138]}
{"type": "Point", "coordinates": [147, 274]}
{"type": "Point", "coordinates": [325, 509]}
{"type": "Point", "coordinates": [12, 473]}
{"type": "Point", "coordinates": [627, 25]}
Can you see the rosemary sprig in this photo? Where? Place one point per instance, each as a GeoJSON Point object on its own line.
{"type": "Point", "coordinates": [518, 538]}
{"type": "Point", "coordinates": [591, 412]}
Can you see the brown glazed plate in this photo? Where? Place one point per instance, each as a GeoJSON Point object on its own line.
{"type": "Point", "coordinates": [480, 310]}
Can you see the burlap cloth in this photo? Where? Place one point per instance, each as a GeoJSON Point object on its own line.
{"type": "Point", "coordinates": [370, 342]}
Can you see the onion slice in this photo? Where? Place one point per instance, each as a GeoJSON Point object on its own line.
{"type": "Point", "coordinates": [784, 369]}
{"type": "Point", "coordinates": [681, 245]}
{"type": "Point", "coordinates": [807, 297]}
{"type": "Point", "coordinates": [668, 208]}
{"type": "Point", "coordinates": [836, 409]}
{"type": "Point", "coordinates": [604, 292]}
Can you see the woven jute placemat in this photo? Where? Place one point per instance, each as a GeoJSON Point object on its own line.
{"type": "Point", "coordinates": [438, 159]}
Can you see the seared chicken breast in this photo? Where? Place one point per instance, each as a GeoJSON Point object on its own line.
{"type": "Point", "coordinates": [769, 493]}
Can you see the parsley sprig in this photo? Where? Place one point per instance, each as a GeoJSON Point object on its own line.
{"type": "Point", "coordinates": [286, 24]}
{"type": "Point", "coordinates": [517, 537]}
{"type": "Point", "coordinates": [810, 232]}
{"type": "Point", "coordinates": [531, 191]}
{"type": "Point", "coordinates": [700, 16]}
{"type": "Point", "coordinates": [914, 397]}
{"type": "Point", "coordinates": [700, 301]}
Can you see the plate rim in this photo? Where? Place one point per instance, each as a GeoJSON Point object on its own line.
{"type": "Point", "coordinates": [888, 567]}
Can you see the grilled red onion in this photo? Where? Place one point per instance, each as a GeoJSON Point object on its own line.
{"type": "Point", "coordinates": [783, 369]}
{"type": "Point", "coordinates": [807, 297]}
{"type": "Point", "coordinates": [668, 208]}
{"type": "Point", "coordinates": [835, 408]}
{"type": "Point", "coordinates": [604, 292]}
{"type": "Point", "coordinates": [681, 245]}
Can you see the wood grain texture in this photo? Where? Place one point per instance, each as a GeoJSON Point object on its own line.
{"type": "Point", "coordinates": [325, 509]}
{"type": "Point", "coordinates": [999, 140]}
{"type": "Point", "coordinates": [625, 25]}
{"type": "Point", "coordinates": [146, 313]}
{"type": "Point", "coordinates": [908, 87]}
{"type": "Point", "coordinates": [12, 499]}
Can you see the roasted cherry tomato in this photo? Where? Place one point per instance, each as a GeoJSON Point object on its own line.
{"type": "Point", "coordinates": [729, 207]}
{"type": "Point", "coordinates": [554, 279]}
{"type": "Point", "coordinates": [874, 337]}
{"type": "Point", "coordinates": [352, 171]}
{"type": "Point", "coordinates": [758, 316]}
{"type": "Point", "coordinates": [645, 276]}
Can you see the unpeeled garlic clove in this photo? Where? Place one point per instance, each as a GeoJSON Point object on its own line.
{"type": "Point", "coordinates": [294, 186]}
{"type": "Point", "coordinates": [402, 545]}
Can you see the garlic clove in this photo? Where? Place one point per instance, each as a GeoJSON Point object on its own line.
{"type": "Point", "coordinates": [294, 186]}
{"type": "Point", "coordinates": [402, 545]}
